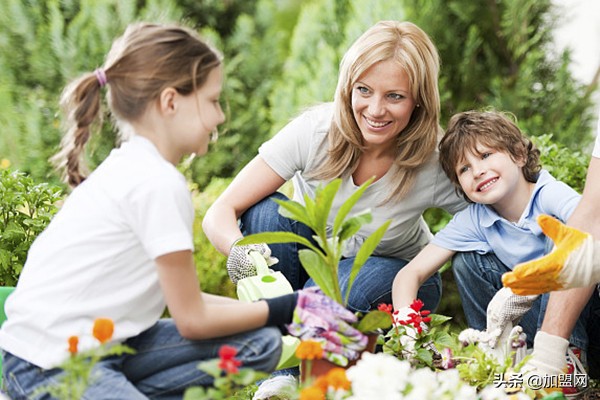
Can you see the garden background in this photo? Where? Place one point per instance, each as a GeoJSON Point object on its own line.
{"type": "Point", "coordinates": [280, 57]}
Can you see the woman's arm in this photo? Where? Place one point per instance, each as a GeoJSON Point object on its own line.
{"type": "Point", "coordinates": [198, 315]}
{"type": "Point", "coordinates": [256, 181]}
{"type": "Point", "coordinates": [410, 278]}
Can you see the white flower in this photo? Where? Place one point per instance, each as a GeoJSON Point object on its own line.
{"type": "Point", "coordinates": [378, 376]}
{"type": "Point", "coordinates": [452, 387]}
{"type": "Point", "coordinates": [473, 336]}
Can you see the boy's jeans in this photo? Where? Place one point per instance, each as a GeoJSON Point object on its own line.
{"type": "Point", "coordinates": [164, 365]}
{"type": "Point", "coordinates": [479, 277]}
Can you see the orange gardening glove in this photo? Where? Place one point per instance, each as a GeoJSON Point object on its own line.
{"type": "Point", "coordinates": [574, 262]}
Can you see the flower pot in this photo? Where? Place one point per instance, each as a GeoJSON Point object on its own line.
{"type": "Point", "coordinates": [322, 366]}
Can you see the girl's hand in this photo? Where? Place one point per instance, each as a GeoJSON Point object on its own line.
{"type": "Point", "coordinates": [318, 317]}
{"type": "Point", "coordinates": [574, 262]}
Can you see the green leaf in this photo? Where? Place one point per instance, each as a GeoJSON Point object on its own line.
{"type": "Point", "coordinates": [442, 340]}
{"type": "Point", "coordinates": [347, 206]}
{"type": "Point", "coordinates": [364, 253]}
{"type": "Point", "coordinates": [323, 274]}
{"type": "Point", "coordinates": [211, 367]}
{"type": "Point", "coordinates": [437, 319]}
{"type": "Point", "coordinates": [324, 197]}
{"type": "Point", "coordinates": [373, 321]}
{"type": "Point", "coordinates": [425, 356]}
{"type": "Point", "coordinates": [294, 210]}
{"type": "Point", "coordinates": [276, 237]}
{"type": "Point", "coordinates": [353, 225]}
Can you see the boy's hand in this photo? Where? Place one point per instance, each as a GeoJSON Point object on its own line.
{"type": "Point", "coordinates": [504, 311]}
{"type": "Point", "coordinates": [574, 262]}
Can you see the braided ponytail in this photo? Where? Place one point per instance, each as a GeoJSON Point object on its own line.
{"type": "Point", "coordinates": [81, 104]}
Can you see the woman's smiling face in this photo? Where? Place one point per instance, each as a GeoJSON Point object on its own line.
{"type": "Point", "coordinates": [382, 103]}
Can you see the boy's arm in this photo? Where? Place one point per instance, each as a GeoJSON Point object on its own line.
{"type": "Point", "coordinates": [410, 278]}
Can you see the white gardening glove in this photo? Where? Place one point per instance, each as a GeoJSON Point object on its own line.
{"type": "Point", "coordinates": [504, 312]}
{"type": "Point", "coordinates": [574, 262]}
{"type": "Point", "coordinates": [239, 263]}
{"type": "Point", "coordinates": [549, 355]}
{"type": "Point", "coordinates": [510, 341]}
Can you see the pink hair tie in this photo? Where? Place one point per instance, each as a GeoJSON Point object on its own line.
{"type": "Point", "coordinates": [101, 77]}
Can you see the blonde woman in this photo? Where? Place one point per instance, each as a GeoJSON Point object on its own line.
{"type": "Point", "coordinates": [382, 123]}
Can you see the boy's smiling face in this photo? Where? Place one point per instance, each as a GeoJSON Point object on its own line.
{"type": "Point", "coordinates": [492, 177]}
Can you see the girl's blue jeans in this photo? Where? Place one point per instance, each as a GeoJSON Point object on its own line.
{"type": "Point", "coordinates": [373, 284]}
{"type": "Point", "coordinates": [163, 367]}
{"type": "Point", "coordinates": [479, 277]}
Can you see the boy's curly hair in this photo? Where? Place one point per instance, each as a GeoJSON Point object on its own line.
{"type": "Point", "coordinates": [493, 129]}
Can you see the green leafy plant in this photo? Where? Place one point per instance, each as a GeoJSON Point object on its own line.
{"type": "Point", "coordinates": [321, 260]}
{"type": "Point", "coordinates": [25, 210]}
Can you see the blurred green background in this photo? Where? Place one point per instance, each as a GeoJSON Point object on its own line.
{"type": "Point", "coordinates": [280, 57]}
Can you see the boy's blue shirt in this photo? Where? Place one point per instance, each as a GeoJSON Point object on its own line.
{"type": "Point", "coordinates": [479, 228]}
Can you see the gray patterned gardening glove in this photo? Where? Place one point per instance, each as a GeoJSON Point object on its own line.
{"type": "Point", "coordinates": [239, 263]}
{"type": "Point", "coordinates": [504, 312]}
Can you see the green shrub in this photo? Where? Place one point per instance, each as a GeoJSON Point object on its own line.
{"type": "Point", "coordinates": [566, 165]}
{"type": "Point", "coordinates": [210, 264]}
{"type": "Point", "coordinates": [25, 210]}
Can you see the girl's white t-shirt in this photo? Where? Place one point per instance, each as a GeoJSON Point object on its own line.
{"type": "Point", "coordinates": [96, 257]}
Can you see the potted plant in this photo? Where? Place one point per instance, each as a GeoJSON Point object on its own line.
{"type": "Point", "coordinates": [321, 260]}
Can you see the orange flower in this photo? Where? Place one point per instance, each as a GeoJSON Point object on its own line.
{"type": "Point", "coordinates": [309, 350]}
{"type": "Point", "coordinates": [311, 393]}
{"type": "Point", "coordinates": [337, 379]}
{"type": "Point", "coordinates": [73, 342]}
{"type": "Point", "coordinates": [321, 383]}
{"type": "Point", "coordinates": [103, 329]}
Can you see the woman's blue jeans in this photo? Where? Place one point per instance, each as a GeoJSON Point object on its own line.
{"type": "Point", "coordinates": [163, 367]}
{"type": "Point", "coordinates": [479, 277]}
{"type": "Point", "coordinates": [373, 284]}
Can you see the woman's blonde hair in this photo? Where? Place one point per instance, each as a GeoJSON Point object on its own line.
{"type": "Point", "coordinates": [147, 59]}
{"type": "Point", "coordinates": [494, 129]}
{"type": "Point", "coordinates": [414, 52]}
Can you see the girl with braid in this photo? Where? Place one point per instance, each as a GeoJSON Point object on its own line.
{"type": "Point", "coordinates": [121, 246]}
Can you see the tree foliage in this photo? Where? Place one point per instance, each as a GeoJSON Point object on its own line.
{"type": "Point", "coordinates": [282, 56]}
{"type": "Point", "coordinates": [45, 44]}
{"type": "Point", "coordinates": [500, 54]}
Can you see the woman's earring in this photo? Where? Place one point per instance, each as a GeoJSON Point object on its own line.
{"type": "Point", "coordinates": [214, 135]}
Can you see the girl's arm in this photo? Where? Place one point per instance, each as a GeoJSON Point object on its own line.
{"type": "Point", "coordinates": [198, 315]}
{"type": "Point", "coordinates": [410, 278]}
{"type": "Point", "coordinates": [256, 181]}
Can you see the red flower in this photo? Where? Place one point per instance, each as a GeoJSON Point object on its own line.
{"type": "Point", "coordinates": [228, 362]}
{"type": "Point", "coordinates": [416, 305]}
{"type": "Point", "coordinates": [386, 308]}
{"type": "Point", "coordinates": [418, 318]}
